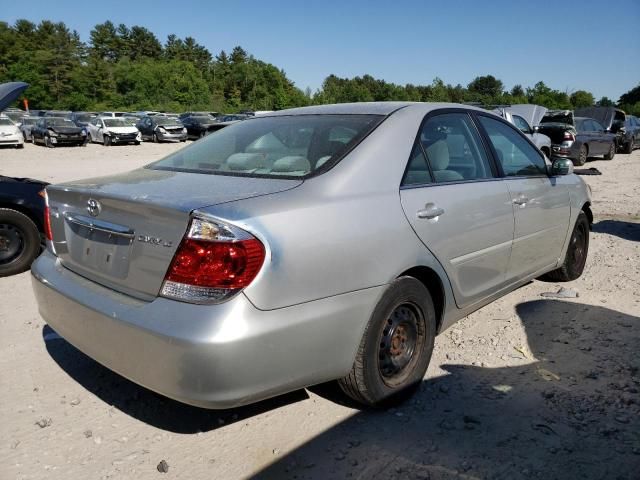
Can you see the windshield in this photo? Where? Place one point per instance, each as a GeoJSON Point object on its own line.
{"type": "Point", "coordinates": [167, 121]}
{"type": "Point", "coordinates": [5, 121]}
{"type": "Point", "coordinates": [200, 119]}
{"type": "Point", "coordinates": [59, 122]}
{"type": "Point", "coordinates": [84, 117]}
{"type": "Point", "coordinates": [289, 146]}
{"type": "Point", "coordinates": [117, 122]}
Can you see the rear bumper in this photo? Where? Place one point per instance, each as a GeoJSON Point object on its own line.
{"type": "Point", "coordinates": [216, 356]}
{"type": "Point", "coordinates": [569, 150]}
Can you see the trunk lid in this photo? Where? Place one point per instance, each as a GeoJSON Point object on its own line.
{"type": "Point", "coordinates": [555, 131]}
{"type": "Point", "coordinates": [122, 231]}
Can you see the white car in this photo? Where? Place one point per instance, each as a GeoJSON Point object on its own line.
{"type": "Point", "coordinates": [110, 130]}
{"type": "Point", "coordinates": [10, 134]}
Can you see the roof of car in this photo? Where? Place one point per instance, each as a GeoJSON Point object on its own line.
{"type": "Point", "coordinates": [362, 108]}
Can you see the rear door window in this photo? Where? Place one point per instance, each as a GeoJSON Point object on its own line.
{"type": "Point", "coordinates": [517, 157]}
{"type": "Point", "coordinates": [453, 149]}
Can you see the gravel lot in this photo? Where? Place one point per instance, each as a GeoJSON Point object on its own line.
{"type": "Point", "coordinates": [527, 387]}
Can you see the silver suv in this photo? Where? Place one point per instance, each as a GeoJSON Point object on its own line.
{"type": "Point", "coordinates": [328, 242]}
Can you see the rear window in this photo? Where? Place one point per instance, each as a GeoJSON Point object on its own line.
{"type": "Point", "coordinates": [287, 146]}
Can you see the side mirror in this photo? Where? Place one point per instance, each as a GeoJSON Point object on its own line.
{"type": "Point", "coordinates": [561, 166]}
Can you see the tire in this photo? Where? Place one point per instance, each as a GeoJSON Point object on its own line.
{"type": "Point", "coordinates": [20, 145]}
{"type": "Point", "coordinates": [583, 154]}
{"type": "Point", "coordinates": [47, 142]}
{"type": "Point", "coordinates": [106, 140]}
{"type": "Point", "coordinates": [611, 153]}
{"type": "Point", "coordinates": [19, 242]}
{"type": "Point", "coordinates": [203, 133]}
{"type": "Point", "coordinates": [576, 256]}
{"type": "Point", "coordinates": [136, 143]}
{"type": "Point", "coordinates": [154, 138]}
{"type": "Point", "coordinates": [404, 321]}
{"type": "Point", "coordinates": [628, 148]}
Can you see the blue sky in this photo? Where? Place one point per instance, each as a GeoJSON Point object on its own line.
{"type": "Point", "coordinates": [569, 44]}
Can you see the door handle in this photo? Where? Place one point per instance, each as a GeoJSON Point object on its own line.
{"type": "Point", "coordinates": [521, 200]}
{"type": "Point", "coordinates": [430, 211]}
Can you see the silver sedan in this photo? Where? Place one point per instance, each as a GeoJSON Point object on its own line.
{"type": "Point", "coordinates": [298, 247]}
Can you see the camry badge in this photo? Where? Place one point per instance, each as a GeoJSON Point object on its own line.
{"type": "Point", "coordinates": [93, 207]}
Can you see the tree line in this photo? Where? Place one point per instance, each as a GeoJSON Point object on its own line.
{"type": "Point", "coordinates": [128, 68]}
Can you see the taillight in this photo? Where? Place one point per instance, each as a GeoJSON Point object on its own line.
{"type": "Point", "coordinates": [47, 215]}
{"type": "Point", "coordinates": [214, 261]}
{"type": "Point", "coordinates": [569, 136]}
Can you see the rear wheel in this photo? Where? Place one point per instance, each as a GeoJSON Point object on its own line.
{"type": "Point", "coordinates": [19, 242]}
{"type": "Point", "coordinates": [582, 156]}
{"type": "Point", "coordinates": [628, 148]}
{"type": "Point", "coordinates": [396, 347]}
{"type": "Point", "coordinates": [611, 153]}
{"type": "Point", "coordinates": [576, 256]}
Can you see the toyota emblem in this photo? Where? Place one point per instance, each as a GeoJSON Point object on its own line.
{"type": "Point", "coordinates": [93, 207]}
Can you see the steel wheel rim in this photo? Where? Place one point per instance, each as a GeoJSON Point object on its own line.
{"type": "Point", "coordinates": [11, 243]}
{"type": "Point", "coordinates": [401, 340]}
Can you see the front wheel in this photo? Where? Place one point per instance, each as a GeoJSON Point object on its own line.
{"type": "Point", "coordinates": [106, 141]}
{"type": "Point", "coordinates": [396, 347]}
{"type": "Point", "coordinates": [154, 138]}
{"type": "Point", "coordinates": [612, 151]}
{"type": "Point", "coordinates": [47, 142]}
{"type": "Point", "coordinates": [576, 257]}
{"type": "Point", "coordinates": [19, 242]}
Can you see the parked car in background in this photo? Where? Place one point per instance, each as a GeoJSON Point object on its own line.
{"type": "Point", "coordinates": [82, 119]}
{"type": "Point", "coordinates": [198, 114]}
{"type": "Point", "coordinates": [10, 133]}
{"type": "Point", "coordinates": [196, 275]}
{"type": "Point", "coordinates": [576, 138]}
{"type": "Point", "coordinates": [610, 118]}
{"type": "Point", "coordinates": [22, 210]}
{"type": "Point", "coordinates": [159, 128]}
{"type": "Point", "coordinates": [27, 124]}
{"type": "Point", "coordinates": [233, 117]}
{"type": "Point", "coordinates": [15, 114]}
{"type": "Point", "coordinates": [59, 114]}
{"type": "Point", "coordinates": [113, 130]}
{"type": "Point", "coordinates": [112, 114]}
{"type": "Point", "coordinates": [54, 131]}
{"type": "Point", "coordinates": [199, 125]}
{"type": "Point", "coordinates": [631, 133]}
{"type": "Point", "coordinates": [527, 119]}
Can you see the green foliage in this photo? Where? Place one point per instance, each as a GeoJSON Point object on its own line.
{"type": "Point", "coordinates": [129, 69]}
{"type": "Point", "coordinates": [630, 101]}
{"type": "Point", "coordinates": [581, 98]}
{"type": "Point", "coordinates": [605, 102]}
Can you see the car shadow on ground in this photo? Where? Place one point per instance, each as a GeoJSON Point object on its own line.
{"type": "Point", "coordinates": [620, 228]}
{"type": "Point", "coordinates": [573, 411]}
{"type": "Point", "coordinates": [145, 405]}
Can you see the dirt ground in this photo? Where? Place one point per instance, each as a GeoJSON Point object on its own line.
{"type": "Point", "coordinates": [527, 387]}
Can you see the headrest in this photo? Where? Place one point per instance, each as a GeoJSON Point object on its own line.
{"type": "Point", "coordinates": [438, 154]}
{"type": "Point", "coordinates": [293, 163]}
{"type": "Point", "coordinates": [244, 161]}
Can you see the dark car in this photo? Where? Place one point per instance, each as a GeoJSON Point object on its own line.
{"type": "Point", "coordinates": [159, 128]}
{"type": "Point", "coordinates": [576, 138]}
{"type": "Point", "coordinates": [22, 213]}
{"type": "Point", "coordinates": [26, 126]}
{"type": "Point", "coordinates": [52, 131]}
{"type": "Point", "coordinates": [82, 119]}
{"type": "Point", "coordinates": [611, 118]}
{"type": "Point", "coordinates": [199, 125]}
{"type": "Point", "coordinates": [632, 133]}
